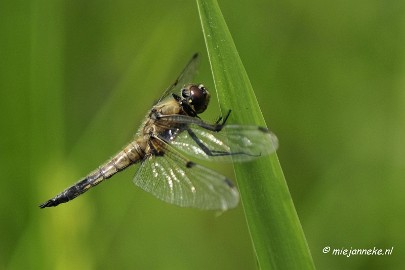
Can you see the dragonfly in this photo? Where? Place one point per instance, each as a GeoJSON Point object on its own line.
{"type": "Point", "coordinates": [173, 131]}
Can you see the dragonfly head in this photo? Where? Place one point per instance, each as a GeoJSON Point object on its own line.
{"type": "Point", "coordinates": [196, 96]}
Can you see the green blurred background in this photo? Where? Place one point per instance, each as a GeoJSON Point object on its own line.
{"type": "Point", "coordinates": [77, 78]}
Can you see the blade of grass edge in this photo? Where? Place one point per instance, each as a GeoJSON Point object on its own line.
{"type": "Point", "coordinates": [273, 223]}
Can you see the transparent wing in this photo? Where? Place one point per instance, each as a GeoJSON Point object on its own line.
{"type": "Point", "coordinates": [185, 77]}
{"type": "Point", "coordinates": [173, 179]}
{"type": "Point", "coordinates": [233, 143]}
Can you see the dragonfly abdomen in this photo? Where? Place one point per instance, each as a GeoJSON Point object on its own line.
{"type": "Point", "coordinates": [131, 154]}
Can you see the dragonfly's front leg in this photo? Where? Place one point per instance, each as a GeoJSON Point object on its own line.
{"type": "Point", "coordinates": [223, 119]}
{"type": "Point", "coordinates": [185, 119]}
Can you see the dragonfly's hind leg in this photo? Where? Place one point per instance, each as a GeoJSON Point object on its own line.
{"type": "Point", "coordinates": [208, 151]}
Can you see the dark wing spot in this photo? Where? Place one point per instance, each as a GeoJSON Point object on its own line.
{"type": "Point", "coordinates": [263, 129]}
{"type": "Point", "coordinates": [229, 183]}
{"type": "Point", "coordinates": [190, 164]}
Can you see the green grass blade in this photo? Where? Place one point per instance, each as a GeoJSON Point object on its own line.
{"type": "Point", "coordinates": [272, 220]}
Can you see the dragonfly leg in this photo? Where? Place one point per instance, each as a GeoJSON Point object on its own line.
{"type": "Point", "coordinates": [208, 151]}
{"type": "Point", "coordinates": [224, 121]}
{"type": "Point", "coordinates": [186, 119]}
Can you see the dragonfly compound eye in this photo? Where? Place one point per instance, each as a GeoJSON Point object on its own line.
{"type": "Point", "coordinates": [197, 96]}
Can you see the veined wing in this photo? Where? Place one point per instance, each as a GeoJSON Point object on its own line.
{"type": "Point", "coordinates": [173, 179]}
{"type": "Point", "coordinates": [233, 143]}
{"type": "Point", "coordinates": [185, 76]}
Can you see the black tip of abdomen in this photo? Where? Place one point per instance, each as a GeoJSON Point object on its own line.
{"type": "Point", "coordinates": [48, 204]}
